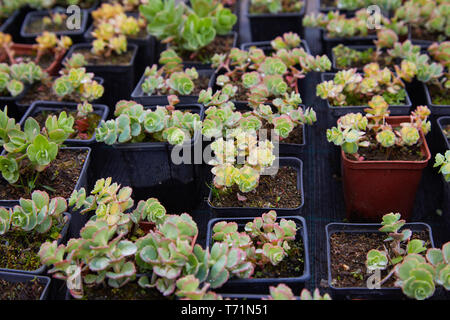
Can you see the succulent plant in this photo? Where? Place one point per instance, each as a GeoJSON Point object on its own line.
{"type": "Point", "coordinates": [443, 162]}
{"type": "Point", "coordinates": [79, 83]}
{"type": "Point", "coordinates": [36, 214]}
{"type": "Point", "coordinates": [283, 292]}
{"type": "Point", "coordinates": [133, 123]}
{"type": "Point", "coordinates": [355, 130]}
{"type": "Point", "coordinates": [14, 78]}
{"type": "Point", "coordinates": [31, 147]}
{"type": "Point", "coordinates": [170, 78]}
{"type": "Point", "coordinates": [187, 29]}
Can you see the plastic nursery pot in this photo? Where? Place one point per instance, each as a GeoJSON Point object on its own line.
{"type": "Point", "coordinates": [290, 162]}
{"type": "Point", "coordinates": [267, 26]}
{"type": "Point", "coordinates": [22, 108]}
{"type": "Point", "coordinates": [14, 277]}
{"type": "Point", "coordinates": [261, 285]}
{"type": "Point", "coordinates": [139, 96]}
{"type": "Point", "coordinates": [13, 23]}
{"type": "Point", "coordinates": [146, 49]}
{"type": "Point", "coordinates": [364, 292]}
{"type": "Point", "coordinates": [41, 270]}
{"type": "Point", "coordinates": [373, 188]}
{"type": "Point", "coordinates": [76, 34]}
{"type": "Point", "coordinates": [329, 43]}
{"type": "Point", "coordinates": [156, 169]}
{"type": "Point", "coordinates": [338, 111]}
{"type": "Point", "coordinates": [12, 103]}
{"type": "Point", "coordinates": [439, 110]}
{"type": "Point", "coordinates": [118, 79]}
{"type": "Point", "coordinates": [56, 107]}
{"type": "Point", "coordinates": [29, 50]}
{"type": "Point", "coordinates": [444, 143]}
{"type": "Point", "coordinates": [77, 220]}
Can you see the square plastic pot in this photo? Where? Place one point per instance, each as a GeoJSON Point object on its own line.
{"type": "Point", "coordinates": [438, 110]}
{"type": "Point", "coordinates": [139, 96]}
{"type": "Point", "coordinates": [75, 35]}
{"type": "Point", "coordinates": [118, 80]}
{"type": "Point", "coordinates": [261, 285]}
{"type": "Point", "coordinates": [374, 188]}
{"type": "Point", "coordinates": [42, 268]}
{"type": "Point", "coordinates": [77, 220]}
{"type": "Point", "coordinates": [146, 49]}
{"type": "Point", "coordinates": [228, 212]}
{"type": "Point", "coordinates": [13, 23]}
{"type": "Point", "coordinates": [268, 26]}
{"type": "Point", "coordinates": [444, 144]}
{"type": "Point", "coordinates": [337, 111]}
{"type": "Point", "coordinates": [361, 292]}
{"type": "Point", "coordinates": [20, 277]}
{"type": "Point", "coordinates": [149, 169]}
{"type": "Point", "coordinates": [40, 106]}
{"type": "Point", "coordinates": [22, 108]}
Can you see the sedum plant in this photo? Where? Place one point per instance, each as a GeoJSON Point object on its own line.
{"type": "Point", "coordinates": [443, 162]}
{"type": "Point", "coordinates": [275, 6]}
{"type": "Point", "coordinates": [265, 77]}
{"type": "Point", "coordinates": [283, 292]}
{"type": "Point", "coordinates": [15, 77]}
{"type": "Point", "coordinates": [355, 131]}
{"type": "Point", "coordinates": [170, 78]}
{"type": "Point", "coordinates": [37, 214]}
{"type": "Point", "coordinates": [31, 151]}
{"type": "Point", "coordinates": [187, 29]}
{"type": "Point", "coordinates": [135, 124]}
{"type": "Point", "coordinates": [349, 88]}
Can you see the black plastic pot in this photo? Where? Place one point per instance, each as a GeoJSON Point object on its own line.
{"type": "Point", "coordinates": [261, 285]}
{"type": "Point", "coordinates": [42, 268]}
{"type": "Point", "coordinates": [39, 106]}
{"type": "Point", "coordinates": [444, 143]}
{"type": "Point", "coordinates": [148, 168]}
{"type": "Point", "coordinates": [146, 49]}
{"type": "Point", "coordinates": [75, 35]}
{"type": "Point", "coordinates": [22, 108]}
{"type": "Point", "coordinates": [118, 80]}
{"type": "Point", "coordinates": [140, 97]}
{"type": "Point", "coordinates": [438, 110]}
{"type": "Point", "coordinates": [19, 277]}
{"type": "Point", "coordinates": [291, 162]}
{"type": "Point", "coordinates": [268, 26]}
{"type": "Point", "coordinates": [360, 292]}
{"type": "Point", "coordinates": [77, 220]}
{"type": "Point", "coordinates": [338, 111]}
{"type": "Point", "coordinates": [329, 43]}
{"type": "Point", "coordinates": [12, 24]}
{"type": "Point", "coordinates": [12, 102]}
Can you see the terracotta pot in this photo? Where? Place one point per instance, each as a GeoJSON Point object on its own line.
{"type": "Point", "coordinates": [28, 49]}
{"type": "Point", "coordinates": [374, 188]}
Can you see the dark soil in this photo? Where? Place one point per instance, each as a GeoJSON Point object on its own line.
{"type": "Point", "coordinates": [19, 249]}
{"type": "Point", "coordinates": [288, 6]}
{"type": "Point", "coordinates": [93, 120]}
{"type": "Point", "coordinates": [220, 44]}
{"type": "Point", "coordinates": [292, 266]}
{"type": "Point", "coordinates": [296, 136]}
{"type": "Point", "coordinates": [40, 91]}
{"type": "Point", "coordinates": [36, 26]}
{"type": "Point", "coordinates": [131, 291]}
{"type": "Point", "coordinates": [114, 59]}
{"type": "Point", "coordinates": [348, 257]}
{"type": "Point", "coordinates": [328, 3]}
{"type": "Point", "coordinates": [438, 96]}
{"type": "Point", "coordinates": [420, 33]}
{"type": "Point", "coordinates": [278, 191]}
{"type": "Point", "coordinates": [59, 179]}
{"type": "Point", "coordinates": [29, 290]}
{"type": "Point", "coordinates": [44, 61]}
{"type": "Point", "coordinates": [378, 153]}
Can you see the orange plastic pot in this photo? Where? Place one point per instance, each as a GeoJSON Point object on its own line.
{"type": "Point", "coordinates": [29, 49]}
{"type": "Point", "coordinates": [374, 188]}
